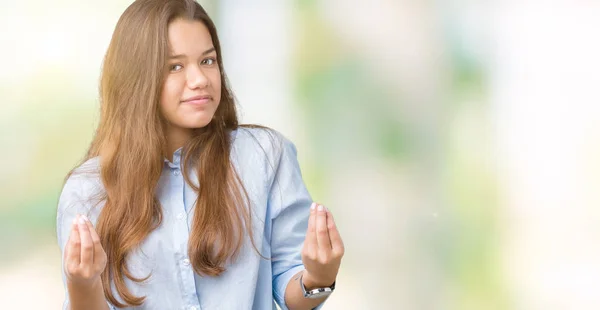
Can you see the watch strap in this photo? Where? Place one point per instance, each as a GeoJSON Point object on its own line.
{"type": "Point", "coordinates": [316, 292]}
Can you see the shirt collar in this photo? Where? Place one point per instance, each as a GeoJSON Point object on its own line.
{"type": "Point", "coordinates": [176, 159]}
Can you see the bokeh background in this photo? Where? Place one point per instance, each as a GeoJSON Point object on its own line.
{"type": "Point", "coordinates": [457, 142]}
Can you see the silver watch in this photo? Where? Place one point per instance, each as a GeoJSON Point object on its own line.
{"type": "Point", "coordinates": [317, 292]}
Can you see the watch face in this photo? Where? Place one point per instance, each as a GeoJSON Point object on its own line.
{"type": "Point", "coordinates": [318, 292]}
{"type": "Point", "coordinates": [318, 295]}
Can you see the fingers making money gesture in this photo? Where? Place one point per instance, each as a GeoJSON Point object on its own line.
{"type": "Point", "coordinates": [85, 258]}
{"type": "Point", "coordinates": [323, 248]}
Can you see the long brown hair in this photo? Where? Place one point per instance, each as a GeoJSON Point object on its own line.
{"type": "Point", "coordinates": [130, 141]}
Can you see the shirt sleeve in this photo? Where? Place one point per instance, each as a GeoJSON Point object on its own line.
{"type": "Point", "coordinates": [74, 199]}
{"type": "Point", "coordinates": [290, 201]}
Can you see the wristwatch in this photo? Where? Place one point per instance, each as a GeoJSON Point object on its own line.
{"type": "Point", "coordinates": [317, 292]}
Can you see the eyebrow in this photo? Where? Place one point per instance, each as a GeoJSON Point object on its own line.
{"type": "Point", "coordinates": [208, 51]}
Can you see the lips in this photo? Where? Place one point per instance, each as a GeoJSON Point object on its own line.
{"type": "Point", "coordinates": [197, 100]}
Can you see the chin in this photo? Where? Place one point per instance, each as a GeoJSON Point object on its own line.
{"type": "Point", "coordinates": [197, 123]}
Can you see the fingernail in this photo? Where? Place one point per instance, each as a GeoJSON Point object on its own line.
{"type": "Point", "coordinates": [85, 218]}
{"type": "Point", "coordinates": [320, 208]}
{"type": "Point", "coordinates": [312, 206]}
{"type": "Point", "coordinates": [80, 220]}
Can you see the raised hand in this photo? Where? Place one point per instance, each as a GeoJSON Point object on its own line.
{"type": "Point", "coordinates": [85, 258]}
{"type": "Point", "coordinates": [323, 249]}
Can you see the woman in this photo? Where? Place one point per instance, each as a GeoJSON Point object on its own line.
{"type": "Point", "coordinates": [176, 206]}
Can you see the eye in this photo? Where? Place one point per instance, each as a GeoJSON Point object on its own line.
{"type": "Point", "coordinates": [175, 67]}
{"type": "Point", "coordinates": [209, 61]}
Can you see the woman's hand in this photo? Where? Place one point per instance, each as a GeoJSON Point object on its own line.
{"type": "Point", "coordinates": [85, 258]}
{"type": "Point", "coordinates": [323, 249]}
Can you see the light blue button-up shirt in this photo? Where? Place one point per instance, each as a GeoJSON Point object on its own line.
{"type": "Point", "coordinates": [267, 165]}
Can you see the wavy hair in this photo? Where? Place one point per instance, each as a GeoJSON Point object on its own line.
{"type": "Point", "coordinates": [130, 141]}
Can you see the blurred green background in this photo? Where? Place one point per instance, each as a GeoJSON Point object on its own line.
{"type": "Point", "coordinates": [456, 142]}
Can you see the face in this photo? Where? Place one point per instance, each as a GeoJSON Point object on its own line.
{"type": "Point", "coordinates": [192, 89]}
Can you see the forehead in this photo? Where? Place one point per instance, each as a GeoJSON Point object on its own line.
{"type": "Point", "coordinates": [188, 37]}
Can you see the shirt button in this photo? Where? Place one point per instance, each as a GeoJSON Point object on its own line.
{"type": "Point", "coordinates": [192, 308]}
{"type": "Point", "coordinates": [180, 216]}
{"type": "Point", "coordinates": [186, 262]}
{"type": "Point", "coordinates": [176, 172]}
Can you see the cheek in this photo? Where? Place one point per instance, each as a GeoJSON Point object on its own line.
{"type": "Point", "coordinates": [216, 85]}
{"type": "Point", "coordinates": [169, 99]}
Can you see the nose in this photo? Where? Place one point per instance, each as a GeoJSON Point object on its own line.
{"type": "Point", "coordinates": [196, 78]}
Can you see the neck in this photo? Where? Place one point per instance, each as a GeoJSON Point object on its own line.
{"type": "Point", "coordinates": [176, 138]}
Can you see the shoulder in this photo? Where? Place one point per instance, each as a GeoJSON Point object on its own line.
{"type": "Point", "coordinates": [87, 172]}
{"type": "Point", "coordinates": [260, 152]}
{"type": "Point", "coordinates": [83, 183]}
{"type": "Point", "coordinates": [264, 140]}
